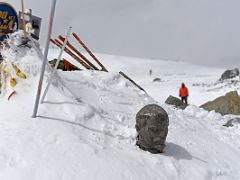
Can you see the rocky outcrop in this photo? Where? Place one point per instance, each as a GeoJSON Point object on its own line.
{"type": "Point", "coordinates": [157, 80]}
{"type": "Point", "coordinates": [171, 100]}
{"type": "Point", "coordinates": [231, 122]}
{"type": "Point", "coordinates": [229, 74]}
{"type": "Point", "coordinates": [152, 127]}
{"type": "Point", "coordinates": [228, 104]}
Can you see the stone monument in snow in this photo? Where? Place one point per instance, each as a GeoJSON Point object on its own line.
{"type": "Point", "coordinates": [152, 126]}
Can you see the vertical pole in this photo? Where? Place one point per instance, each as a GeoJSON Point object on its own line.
{"type": "Point", "coordinates": [56, 65]}
{"type": "Point", "coordinates": [44, 60]}
{"type": "Point", "coordinates": [23, 18]}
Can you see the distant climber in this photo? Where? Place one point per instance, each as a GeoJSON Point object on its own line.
{"type": "Point", "coordinates": [150, 72]}
{"type": "Point", "coordinates": [183, 93]}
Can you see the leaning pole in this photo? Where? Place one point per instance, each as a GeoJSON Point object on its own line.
{"type": "Point", "coordinates": [56, 65]}
{"type": "Point", "coordinates": [44, 60]}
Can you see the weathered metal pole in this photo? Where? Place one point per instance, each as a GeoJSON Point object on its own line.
{"type": "Point", "coordinates": [44, 59]}
{"type": "Point", "coordinates": [56, 65]}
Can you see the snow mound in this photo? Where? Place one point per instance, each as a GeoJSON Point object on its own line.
{"type": "Point", "coordinates": [94, 137]}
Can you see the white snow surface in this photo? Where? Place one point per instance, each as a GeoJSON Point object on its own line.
{"type": "Point", "coordinates": [94, 139]}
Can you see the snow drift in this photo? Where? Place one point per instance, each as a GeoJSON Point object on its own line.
{"type": "Point", "coordinates": [95, 138]}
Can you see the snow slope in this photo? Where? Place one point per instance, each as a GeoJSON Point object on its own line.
{"type": "Point", "coordinates": [95, 138]}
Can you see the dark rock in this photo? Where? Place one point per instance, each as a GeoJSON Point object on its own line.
{"type": "Point", "coordinates": [152, 127]}
{"type": "Point", "coordinates": [228, 104]}
{"type": "Point", "coordinates": [60, 65]}
{"type": "Point", "coordinates": [231, 122]}
{"type": "Point", "coordinates": [229, 74]}
{"type": "Point", "coordinates": [157, 80]}
{"type": "Point", "coordinates": [171, 100]}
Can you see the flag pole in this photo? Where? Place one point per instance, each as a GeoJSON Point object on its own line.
{"type": "Point", "coordinates": [44, 60]}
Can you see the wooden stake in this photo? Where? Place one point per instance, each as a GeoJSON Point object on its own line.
{"type": "Point", "coordinates": [78, 53]}
{"type": "Point", "coordinates": [132, 81]}
{"type": "Point", "coordinates": [89, 52]}
{"type": "Point", "coordinates": [59, 44]}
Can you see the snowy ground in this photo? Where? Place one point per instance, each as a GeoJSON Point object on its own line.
{"type": "Point", "coordinates": [95, 138]}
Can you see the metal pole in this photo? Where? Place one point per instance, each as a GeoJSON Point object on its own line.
{"type": "Point", "coordinates": [44, 60]}
{"type": "Point", "coordinates": [56, 65]}
{"type": "Point", "coordinates": [23, 18]}
{"type": "Point", "coordinates": [50, 70]}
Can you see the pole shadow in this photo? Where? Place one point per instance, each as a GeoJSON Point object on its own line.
{"type": "Point", "coordinates": [62, 103]}
{"type": "Point", "coordinates": [120, 137]}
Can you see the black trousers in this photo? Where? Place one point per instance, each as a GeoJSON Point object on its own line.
{"type": "Point", "coordinates": [184, 99]}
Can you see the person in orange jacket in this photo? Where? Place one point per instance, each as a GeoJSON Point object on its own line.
{"type": "Point", "coordinates": [183, 93]}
